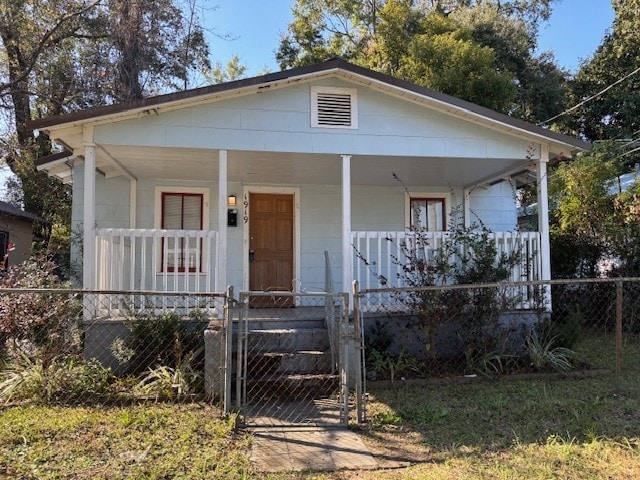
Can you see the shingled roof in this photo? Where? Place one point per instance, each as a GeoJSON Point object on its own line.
{"type": "Point", "coordinates": [13, 211]}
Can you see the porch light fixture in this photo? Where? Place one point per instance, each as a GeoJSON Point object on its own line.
{"type": "Point", "coordinates": [232, 201]}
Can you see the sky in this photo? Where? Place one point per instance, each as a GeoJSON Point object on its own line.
{"type": "Point", "coordinates": [573, 33]}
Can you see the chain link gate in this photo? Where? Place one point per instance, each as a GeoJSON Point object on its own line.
{"type": "Point", "coordinates": [292, 357]}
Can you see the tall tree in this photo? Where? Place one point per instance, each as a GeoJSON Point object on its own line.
{"type": "Point", "coordinates": [595, 216]}
{"type": "Point", "coordinates": [32, 34]}
{"type": "Point", "coordinates": [480, 50]}
{"type": "Point", "coordinates": [322, 29]}
{"type": "Point", "coordinates": [233, 70]}
{"type": "Point", "coordinates": [153, 45]}
{"type": "Point", "coordinates": [541, 86]}
{"type": "Point", "coordinates": [615, 113]}
{"type": "Point", "coordinates": [443, 56]}
{"type": "Point", "coordinates": [583, 209]}
{"type": "Point", "coordinates": [59, 56]}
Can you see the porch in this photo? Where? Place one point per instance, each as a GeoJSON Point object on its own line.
{"type": "Point", "coordinates": [156, 260]}
{"type": "Point", "coordinates": [379, 258]}
{"type": "Point", "coordinates": [187, 261]}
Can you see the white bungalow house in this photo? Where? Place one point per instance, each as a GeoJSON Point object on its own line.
{"type": "Point", "coordinates": [249, 182]}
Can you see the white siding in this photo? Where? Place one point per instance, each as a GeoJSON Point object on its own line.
{"type": "Point", "coordinates": [280, 120]}
{"type": "Point", "coordinates": [495, 207]}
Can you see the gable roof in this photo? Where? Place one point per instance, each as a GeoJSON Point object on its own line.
{"type": "Point", "coordinates": [337, 66]}
{"type": "Point", "coordinates": [13, 211]}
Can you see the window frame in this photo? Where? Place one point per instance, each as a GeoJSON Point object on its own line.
{"type": "Point", "coordinates": [160, 193]}
{"type": "Point", "coordinates": [445, 198]}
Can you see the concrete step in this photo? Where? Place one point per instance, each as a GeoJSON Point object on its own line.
{"type": "Point", "coordinates": [305, 361]}
{"type": "Point", "coordinates": [291, 386]}
{"type": "Point", "coordinates": [284, 323]}
{"type": "Point", "coordinates": [288, 340]}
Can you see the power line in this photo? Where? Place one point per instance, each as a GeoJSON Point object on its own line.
{"type": "Point", "coordinates": [630, 152]}
{"type": "Point", "coordinates": [620, 80]}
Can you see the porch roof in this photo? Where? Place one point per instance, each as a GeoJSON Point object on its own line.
{"type": "Point", "coordinates": [252, 167]}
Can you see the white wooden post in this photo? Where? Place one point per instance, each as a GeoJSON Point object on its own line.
{"type": "Point", "coordinates": [466, 202]}
{"type": "Point", "coordinates": [543, 220]}
{"type": "Point", "coordinates": [89, 211]}
{"type": "Point", "coordinates": [88, 226]}
{"type": "Point", "coordinates": [221, 253]}
{"type": "Point", "coordinates": [133, 203]}
{"type": "Point", "coordinates": [347, 249]}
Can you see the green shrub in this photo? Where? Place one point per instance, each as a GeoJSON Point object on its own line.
{"type": "Point", "coordinates": [65, 379]}
{"type": "Point", "coordinates": [44, 322]}
{"type": "Point", "coordinates": [466, 256]}
{"type": "Point", "coordinates": [565, 327]}
{"type": "Point", "coordinates": [155, 340]}
{"type": "Point", "coordinates": [174, 383]}
{"type": "Point", "coordinates": [385, 365]}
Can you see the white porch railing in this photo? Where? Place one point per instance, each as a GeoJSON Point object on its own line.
{"type": "Point", "coordinates": [378, 257]}
{"type": "Point", "coordinates": [143, 260]}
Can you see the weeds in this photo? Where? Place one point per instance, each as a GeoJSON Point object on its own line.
{"type": "Point", "coordinates": [545, 355]}
{"type": "Point", "coordinates": [165, 382]}
{"type": "Point", "coordinates": [66, 379]}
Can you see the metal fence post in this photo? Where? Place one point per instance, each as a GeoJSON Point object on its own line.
{"type": "Point", "coordinates": [227, 357]}
{"type": "Point", "coordinates": [618, 330]}
{"type": "Point", "coordinates": [357, 319]}
{"type": "Point", "coordinates": [344, 371]}
{"type": "Point", "coordinates": [241, 354]}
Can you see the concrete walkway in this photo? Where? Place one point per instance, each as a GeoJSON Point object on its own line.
{"type": "Point", "coordinates": [299, 448]}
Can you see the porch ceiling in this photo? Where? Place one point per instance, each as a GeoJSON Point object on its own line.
{"type": "Point", "coordinates": [252, 167]}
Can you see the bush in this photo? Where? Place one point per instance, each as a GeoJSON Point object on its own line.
{"type": "Point", "coordinates": [545, 354]}
{"type": "Point", "coordinates": [64, 379]}
{"type": "Point", "coordinates": [563, 326]}
{"type": "Point", "coordinates": [466, 256]}
{"type": "Point", "coordinates": [167, 383]}
{"type": "Point", "coordinates": [159, 340]}
{"type": "Point", "coordinates": [42, 322]}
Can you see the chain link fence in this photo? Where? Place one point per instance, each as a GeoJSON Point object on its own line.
{"type": "Point", "coordinates": [292, 358]}
{"type": "Point", "coordinates": [483, 330]}
{"type": "Point", "coordinates": [71, 346]}
{"type": "Point", "coordinates": [277, 359]}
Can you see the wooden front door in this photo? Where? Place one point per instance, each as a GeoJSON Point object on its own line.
{"type": "Point", "coordinates": [270, 243]}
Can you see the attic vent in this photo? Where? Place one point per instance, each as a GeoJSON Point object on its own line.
{"type": "Point", "coordinates": [333, 107]}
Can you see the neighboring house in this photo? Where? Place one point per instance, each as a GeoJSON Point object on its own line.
{"type": "Point", "coordinates": [249, 182]}
{"type": "Point", "coordinates": [16, 229]}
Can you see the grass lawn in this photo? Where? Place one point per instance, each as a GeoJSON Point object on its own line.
{"type": "Point", "coordinates": [569, 428]}
{"type": "Point", "coordinates": [152, 441]}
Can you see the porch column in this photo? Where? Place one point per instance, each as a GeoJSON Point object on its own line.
{"type": "Point", "coordinates": [133, 203]}
{"type": "Point", "coordinates": [89, 211]}
{"type": "Point", "coordinates": [221, 255]}
{"type": "Point", "coordinates": [543, 215]}
{"type": "Point", "coordinates": [347, 249]}
{"type": "Point", "coordinates": [543, 220]}
{"type": "Point", "coordinates": [466, 202]}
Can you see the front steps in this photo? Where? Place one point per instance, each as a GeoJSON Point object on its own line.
{"type": "Point", "coordinates": [288, 360]}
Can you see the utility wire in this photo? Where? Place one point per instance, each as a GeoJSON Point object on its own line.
{"type": "Point", "coordinates": [620, 80]}
{"type": "Point", "coordinates": [630, 152]}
